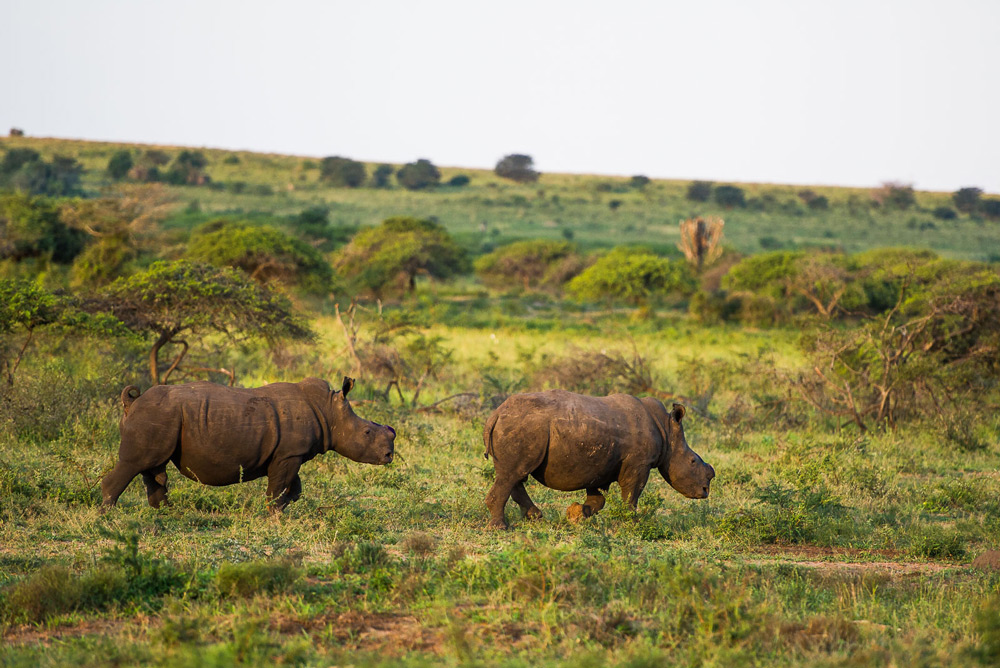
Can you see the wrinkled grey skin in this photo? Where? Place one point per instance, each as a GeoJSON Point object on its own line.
{"type": "Point", "coordinates": [221, 435]}
{"type": "Point", "coordinates": [570, 442]}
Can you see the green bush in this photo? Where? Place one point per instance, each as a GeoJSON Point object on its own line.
{"type": "Point", "coordinates": [120, 164]}
{"type": "Point", "coordinates": [516, 167]}
{"type": "Point", "coordinates": [342, 172]}
{"type": "Point", "coordinates": [729, 196]}
{"type": "Point", "coordinates": [699, 191]}
{"type": "Point", "coordinates": [530, 264]}
{"type": "Point", "coordinates": [419, 175]}
{"type": "Point", "coordinates": [634, 275]}
{"type": "Point", "coordinates": [263, 252]}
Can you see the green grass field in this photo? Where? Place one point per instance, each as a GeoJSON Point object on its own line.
{"type": "Point", "coordinates": [819, 546]}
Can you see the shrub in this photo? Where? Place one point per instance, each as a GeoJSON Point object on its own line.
{"type": "Point", "coordinates": [459, 181]}
{"type": "Point", "coordinates": [265, 253]}
{"type": "Point", "coordinates": [342, 172]}
{"type": "Point", "coordinates": [101, 262]}
{"type": "Point", "coordinates": [639, 182]}
{"type": "Point", "coordinates": [945, 213]}
{"type": "Point", "coordinates": [381, 175]}
{"type": "Point", "coordinates": [531, 264]}
{"type": "Point", "coordinates": [516, 167]}
{"type": "Point", "coordinates": [893, 195]}
{"type": "Point", "coordinates": [729, 196]}
{"type": "Point", "coordinates": [419, 175]}
{"type": "Point", "coordinates": [33, 227]}
{"type": "Point", "coordinates": [699, 191]}
{"type": "Point", "coordinates": [634, 275]}
{"type": "Point", "coordinates": [990, 208]}
{"type": "Point", "coordinates": [967, 200]}
{"type": "Point", "coordinates": [120, 164]}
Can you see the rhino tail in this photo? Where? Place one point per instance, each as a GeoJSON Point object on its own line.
{"type": "Point", "coordinates": [129, 394]}
{"type": "Point", "coordinates": [488, 435]}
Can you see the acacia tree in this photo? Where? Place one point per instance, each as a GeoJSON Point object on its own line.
{"type": "Point", "coordinates": [516, 167]}
{"type": "Point", "coordinates": [24, 308]}
{"type": "Point", "coordinates": [389, 257]}
{"type": "Point", "coordinates": [173, 299]}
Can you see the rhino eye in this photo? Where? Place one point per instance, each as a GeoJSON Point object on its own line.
{"type": "Point", "coordinates": [368, 430]}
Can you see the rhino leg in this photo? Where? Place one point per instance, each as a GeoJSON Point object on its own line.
{"type": "Point", "coordinates": [156, 486]}
{"type": "Point", "coordinates": [283, 483]}
{"type": "Point", "coordinates": [528, 508]}
{"type": "Point", "coordinates": [115, 482]}
{"type": "Point", "coordinates": [632, 482]}
{"type": "Point", "coordinates": [594, 502]}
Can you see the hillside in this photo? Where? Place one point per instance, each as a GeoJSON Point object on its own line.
{"type": "Point", "coordinates": [594, 211]}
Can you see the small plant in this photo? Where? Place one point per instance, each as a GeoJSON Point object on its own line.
{"type": "Point", "coordinates": [251, 578]}
{"type": "Point", "coordinates": [420, 544]}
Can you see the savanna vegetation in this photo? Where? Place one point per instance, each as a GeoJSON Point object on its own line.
{"type": "Point", "coordinates": [836, 350]}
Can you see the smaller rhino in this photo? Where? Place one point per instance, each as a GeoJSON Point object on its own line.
{"type": "Point", "coordinates": [570, 441]}
{"type": "Point", "coordinates": [219, 435]}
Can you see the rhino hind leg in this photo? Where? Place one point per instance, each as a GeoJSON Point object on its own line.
{"type": "Point", "coordinates": [115, 482]}
{"type": "Point", "coordinates": [156, 486]}
{"type": "Point", "coordinates": [528, 508]}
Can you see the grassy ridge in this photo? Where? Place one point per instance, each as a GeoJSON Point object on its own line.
{"type": "Point", "coordinates": [495, 211]}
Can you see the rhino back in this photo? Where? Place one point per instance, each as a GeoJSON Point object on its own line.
{"type": "Point", "coordinates": [584, 440]}
{"type": "Point", "coordinates": [223, 435]}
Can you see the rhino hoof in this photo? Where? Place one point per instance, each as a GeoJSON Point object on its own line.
{"type": "Point", "coordinates": [499, 526]}
{"type": "Point", "coordinates": [577, 512]}
{"type": "Point", "coordinates": [533, 513]}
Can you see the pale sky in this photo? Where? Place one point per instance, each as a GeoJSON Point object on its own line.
{"type": "Point", "coordinates": [803, 92]}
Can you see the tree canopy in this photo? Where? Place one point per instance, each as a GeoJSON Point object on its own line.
{"type": "Point", "coordinates": [264, 252]}
{"type": "Point", "coordinates": [174, 299]}
{"type": "Point", "coordinates": [342, 172]}
{"type": "Point", "coordinates": [388, 258]}
{"type": "Point", "coordinates": [516, 167]}
{"type": "Point", "coordinates": [419, 175]}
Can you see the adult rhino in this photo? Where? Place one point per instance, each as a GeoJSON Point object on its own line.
{"type": "Point", "coordinates": [220, 436]}
{"type": "Point", "coordinates": [569, 442]}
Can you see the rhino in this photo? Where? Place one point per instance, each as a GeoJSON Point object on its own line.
{"type": "Point", "coordinates": [570, 442]}
{"type": "Point", "coordinates": [220, 435]}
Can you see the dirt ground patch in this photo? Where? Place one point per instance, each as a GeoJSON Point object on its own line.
{"type": "Point", "coordinates": [843, 559]}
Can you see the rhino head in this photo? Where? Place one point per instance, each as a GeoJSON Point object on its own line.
{"type": "Point", "coordinates": [354, 437]}
{"type": "Point", "coordinates": [679, 465]}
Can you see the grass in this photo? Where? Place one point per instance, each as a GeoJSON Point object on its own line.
{"type": "Point", "coordinates": [817, 546]}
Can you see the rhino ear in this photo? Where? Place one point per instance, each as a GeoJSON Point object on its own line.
{"type": "Point", "coordinates": [677, 412]}
{"type": "Point", "coordinates": [348, 384]}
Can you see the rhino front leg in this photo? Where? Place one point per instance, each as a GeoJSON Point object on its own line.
{"type": "Point", "coordinates": [156, 486]}
{"type": "Point", "coordinates": [528, 508]}
{"type": "Point", "coordinates": [283, 483]}
{"type": "Point", "coordinates": [632, 482]}
{"type": "Point", "coordinates": [593, 504]}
